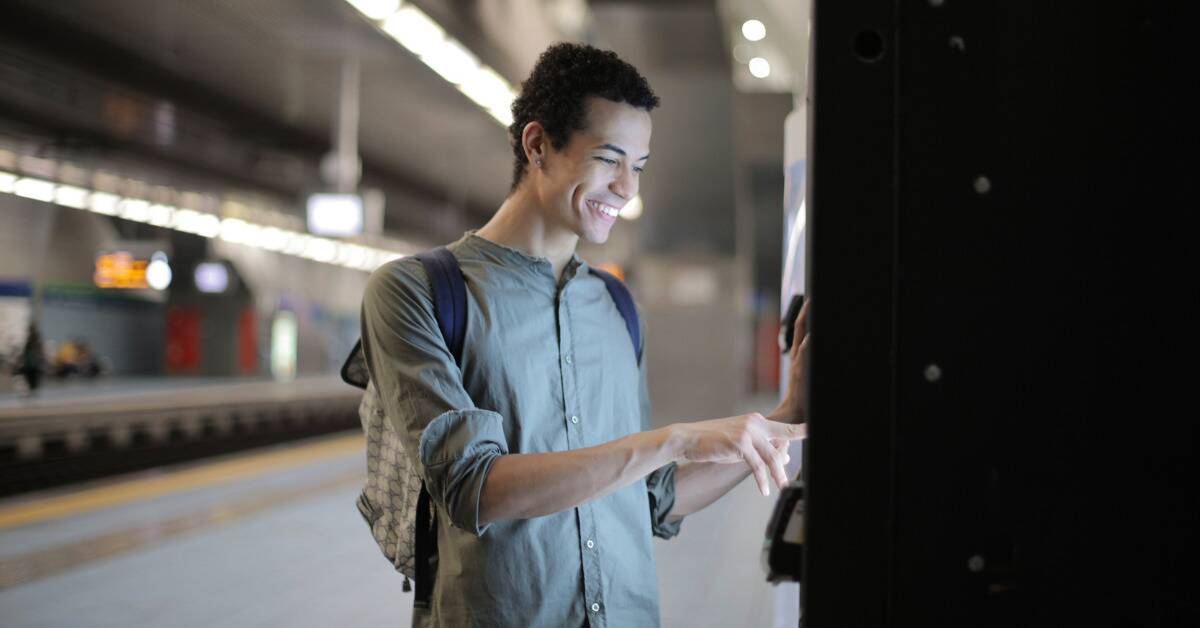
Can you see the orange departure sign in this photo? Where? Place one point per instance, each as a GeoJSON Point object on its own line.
{"type": "Point", "coordinates": [120, 270]}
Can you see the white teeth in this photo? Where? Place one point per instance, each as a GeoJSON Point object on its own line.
{"type": "Point", "coordinates": [607, 210]}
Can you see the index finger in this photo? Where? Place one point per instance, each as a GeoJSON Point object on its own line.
{"type": "Point", "coordinates": [787, 431]}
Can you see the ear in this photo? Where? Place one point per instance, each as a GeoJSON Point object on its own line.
{"type": "Point", "coordinates": [535, 143]}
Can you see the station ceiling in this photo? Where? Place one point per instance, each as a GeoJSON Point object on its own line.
{"type": "Point", "coordinates": [280, 60]}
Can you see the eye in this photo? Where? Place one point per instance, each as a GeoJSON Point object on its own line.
{"type": "Point", "coordinates": [639, 169]}
{"type": "Point", "coordinates": [611, 162]}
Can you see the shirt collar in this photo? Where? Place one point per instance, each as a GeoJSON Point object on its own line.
{"type": "Point", "coordinates": [509, 256]}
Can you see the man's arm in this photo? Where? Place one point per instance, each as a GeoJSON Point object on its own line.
{"type": "Point", "coordinates": [698, 485]}
{"type": "Point", "coordinates": [523, 486]}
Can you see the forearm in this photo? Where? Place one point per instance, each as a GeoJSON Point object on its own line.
{"type": "Point", "coordinates": [699, 484]}
{"type": "Point", "coordinates": [523, 486]}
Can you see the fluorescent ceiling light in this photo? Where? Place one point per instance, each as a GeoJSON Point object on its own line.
{"type": "Point", "coordinates": [135, 209]}
{"type": "Point", "coordinates": [296, 243]}
{"type": "Point", "coordinates": [451, 60]}
{"type": "Point", "coordinates": [760, 68]}
{"type": "Point", "coordinates": [503, 116]}
{"type": "Point", "coordinates": [355, 256]}
{"type": "Point", "coordinates": [273, 239]}
{"type": "Point", "coordinates": [197, 223]}
{"type": "Point", "coordinates": [375, 9]}
{"type": "Point", "coordinates": [36, 189]}
{"type": "Point", "coordinates": [753, 30]}
{"type": "Point", "coordinates": [490, 91]}
{"type": "Point", "coordinates": [161, 215]}
{"type": "Point", "coordinates": [185, 220]}
{"type": "Point", "coordinates": [71, 196]}
{"type": "Point", "coordinates": [204, 224]}
{"type": "Point", "coordinates": [8, 182]}
{"type": "Point", "coordinates": [104, 203]}
{"type": "Point", "coordinates": [320, 250]}
{"type": "Point", "coordinates": [414, 30]}
{"type": "Point", "coordinates": [486, 89]}
{"type": "Point", "coordinates": [237, 231]}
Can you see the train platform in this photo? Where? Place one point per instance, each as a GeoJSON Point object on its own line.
{"type": "Point", "coordinates": [272, 538]}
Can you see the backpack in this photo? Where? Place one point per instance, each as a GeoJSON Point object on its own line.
{"type": "Point", "coordinates": [394, 502]}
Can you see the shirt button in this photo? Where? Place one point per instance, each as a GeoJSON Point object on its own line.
{"type": "Point", "coordinates": [574, 419]}
{"type": "Point", "coordinates": [590, 544]}
{"type": "Point", "coordinates": [568, 360]}
{"type": "Point", "coordinates": [595, 608]}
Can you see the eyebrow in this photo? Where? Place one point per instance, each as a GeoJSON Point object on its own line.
{"type": "Point", "coordinates": [620, 151]}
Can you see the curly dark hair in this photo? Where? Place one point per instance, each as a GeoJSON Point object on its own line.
{"type": "Point", "coordinates": [556, 91]}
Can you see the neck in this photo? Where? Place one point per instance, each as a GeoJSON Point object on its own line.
{"type": "Point", "coordinates": [521, 223]}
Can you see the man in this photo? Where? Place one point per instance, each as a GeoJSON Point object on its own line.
{"type": "Point", "coordinates": [547, 481]}
{"type": "Point", "coordinates": [32, 361]}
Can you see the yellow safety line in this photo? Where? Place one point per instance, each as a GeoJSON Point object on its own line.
{"type": "Point", "coordinates": [208, 475]}
{"type": "Point", "coordinates": [47, 561]}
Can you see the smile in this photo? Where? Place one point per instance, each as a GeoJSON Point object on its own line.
{"type": "Point", "coordinates": [607, 210]}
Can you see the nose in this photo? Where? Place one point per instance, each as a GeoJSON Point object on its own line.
{"type": "Point", "coordinates": [625, 185]}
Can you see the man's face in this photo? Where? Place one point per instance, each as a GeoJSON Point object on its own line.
{"type": "Point", "coordinates": [586, 183]}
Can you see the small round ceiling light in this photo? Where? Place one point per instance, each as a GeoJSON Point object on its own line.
{"type": "Point", "coordinates": [158, 271]}
{"type": "Point", "coordinates": [760, 68]}
{"type": "Point", "coordinates": [753, 30]}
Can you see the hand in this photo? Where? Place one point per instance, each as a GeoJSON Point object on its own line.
{"type": "Point", "coordinates": [750, 438]}
{"type": "Point", "coordinates": [791, 409]}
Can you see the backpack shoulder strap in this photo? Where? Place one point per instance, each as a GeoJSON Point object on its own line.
{"type": "Point", "coordinates": [449, 297]}
{"type": "Point", "coordinates": [624, 302]}
{"type": "Point", "coordinates": [449, 306]}
{"type": "Point", "coordinates": [354, 369]}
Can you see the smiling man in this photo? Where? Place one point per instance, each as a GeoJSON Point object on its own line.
{"type": "Point", "coordinates": [536, 451]}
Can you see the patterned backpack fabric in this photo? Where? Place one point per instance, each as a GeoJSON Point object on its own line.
{"type": "Point", "coordinates": [394, 502]}
{"type": "Point", "coordinates": [388, 502]}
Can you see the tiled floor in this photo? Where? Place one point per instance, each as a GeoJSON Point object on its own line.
{"type": "Point", "coordinates": [287, 547]}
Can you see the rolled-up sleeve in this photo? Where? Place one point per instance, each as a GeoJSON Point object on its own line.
{"type": "Point", "coordinates": [452, 442]}
{"type": "Point", "coordinates": [660, 484]}
{"type": "Point", "coordinates": [457, 452]}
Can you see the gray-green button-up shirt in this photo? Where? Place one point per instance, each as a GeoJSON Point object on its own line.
{"type": "Point", "coordinates": [546, 366]}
